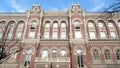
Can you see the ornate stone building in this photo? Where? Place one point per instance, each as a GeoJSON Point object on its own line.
{"type": "Point", "coordinates": [61, 39]}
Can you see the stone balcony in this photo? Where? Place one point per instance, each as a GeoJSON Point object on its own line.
{"type": "Point", "coordinates": [52, 60]}
{"type": "Point", "coordinates": [104, 42]}
{"type": "Point", "coordinates": [30, 40]}
{"type": "Point", "coordinates": [104, 62]}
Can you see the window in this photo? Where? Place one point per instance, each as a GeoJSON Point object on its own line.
{"type": "Point", "coordinates": [102, 34]}
{"type": "Point", "coordinates": [33, 25]}
{"type": "Point", "coordinates": [44, 54]}
{"type": "Point", "coordinates": [118, 54]}
{"type": "Point", "coordinates": [54, 54]}
{"type": "Point", "coordinates": [54, 35]}
{"type": "Point", "coordinates": [110, 24]}
{"type": "Point", "coordinates": [31, 34]}
{"type": "Point", "coordinates": [14, 54]}
{"type": "Point", "coordinates": [63, 25]}
{"type": "Point", "coordinates": [113, 34]}
{"type": "Point", "coordinates": [28, 57]}
{"type": "Point", "coordinates": [92, 35]}
{"type": "Point", "coordinates": [63, 54]}
{"type": "Point", "coordinates": [55, 25]}
{"type": "Point", "coordinates": [18, 35]}
{"type": "Point", "coordinates": [79, 58]}
{"type": "Point", "coordinates": [9, 35]}
{"type": "Point", "coordinates": [95, 55]}
{"type": "Point", "coordinates": [107, 54]}
{"type": "Point", "coordinates": [78, 34]}
{"type": "Point", "coordinates": [90, 24]}
{"type": "Point", "coordinates": [47, 24]}
{"type": "Point", "coordinates": [46, 35]}
{"type": "Point", "coordinates": [63, 35]}
{"type": "Point", "coordinates": [100, 24]}
{"type": "Point", "coordinates": [77, 24]}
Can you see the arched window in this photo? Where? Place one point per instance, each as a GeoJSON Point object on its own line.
{"type": "Point", "coordinates": [80, 58]}
{"type": "Point", "coordinates": [102, 29]}
{"type": "Point", "coordinates": [3, 25]}
{"type": "Point", "coordinates": [33, 29]}
{"type": "Point", "coordinates": [107, 54]}
{"type": "Point", "coordinates": [63, 54]}
{"type": "Point", "coordinates": [10, 30]}
{"type": "Point", "coordinates": [47, 30]}
{"type": "Point", "coordinates": [91, 28]}
{"type": "Point", "coordinates": [63, 30]}
{"type": "Point", "coordinates": [118, 54]}
{"type": "Point", "coordinates": [55, 30]}
{"type": "Point", "coordinates": [20, 29]}
{"type": "Point", "coordinates": [14, 54]}
{"type": "Point", "coordinates": [54, 54]}
{"type": "Point", "coordinates": [28, 56]}
{"type": "Point", "coordinates": [78, 33]}
{"type": "Point", "coordinates": [45, 54]}
{"type": "Point", "coordinates": [112, 29]}
{"type": "Point", "coordinates": [95, 54]}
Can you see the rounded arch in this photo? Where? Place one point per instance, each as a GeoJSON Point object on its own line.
{"type": "Point", "coordinates": [115, 49]}
{"type": "Point", "coordinates": [77, 19]}
{"type": "Point", "coordinates": [55, 49]}
{"type": "Point", "coordinates": [93, 48]}
{"type": "Point", "coordinates": [34, 19]}
{"type": "Point", "coordinates": [47, 20]}
{"type": "Point", "coordinates": [104, 48]}
{"type": "Point", "coordinates": [80, 48]}
{"type": "Point", "coordinates": [45, 48]}
{"type": "Point", "coordinates": [64, 48]}
{"type": "Point", "coordinates": [64, 20]}
{"type": "Point", "coordinates": [27, 47]}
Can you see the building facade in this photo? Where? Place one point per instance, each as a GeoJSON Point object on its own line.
{"type": "Point", "coordinates": [61, 39]}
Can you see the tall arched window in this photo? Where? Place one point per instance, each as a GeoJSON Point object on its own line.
{"type": "Point", "coordinates": [118, 54]}
{"type": "Point", "coordinates": [28, 56]}
{"type": "Point", "coordinates": [47, 30]}
{"type": "Point", "coordinates": [55, 30]}
{"type": "Point", "coordinates": [63, 30]}
{"type": "Point", "coordinates": [63, 54]}
{"type": "Point", "coordinates": [54, 54]}
{"type": "Point", "coordinates": [10, 30]}
{"type": "Point", "coordinates": [78, 33]}
{"type": "Point", "coordinates": [80, 58]}
{"type": "Point", "coordinates": [102, 29]}
{"type": "Point", "coordinates": [95, 54]}
{"type": "Point", "coordinates": [107, 54]}
{"type": "Point", "coordinates": [45, 54]}
{"type": "Point", "coordinates": [33, 27]}
{"type": "Point", "coordinates": [91, 28]}
{"type": "Point", "coordinates": [20, 28]}
{"type": "Point", "coordinates": [112, 29]}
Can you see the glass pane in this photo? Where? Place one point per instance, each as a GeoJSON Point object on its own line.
{"type": "Point", "coordinates": [54, 53]}
{"type": "Point", "coordinates": [1, 34]}
{"type": "Point", "coordinates": [63, 35]}
{"type": "Point", "coordinates": [45, 54]}
{"type": "Point", "coordinates": [31, 34]}
{"type": "Point", "coordinates": [78, 34]}
{"type": "Point", "coordinates": [54, 36]}
{"type": "Point", "coordinates": [92, 35]}
{"type": "Point", "coordinates": [18, 35]}
{"type": "Point", "coordinates": [46, 36]}
{"type": "Point", "coordinates": [63, 54]}
{"type": "Point", "coordinates": [102, 34]}
{"type": "Point", "coordinates": [113, 34]}
{"type": "Point", "coordinates": [90, 25]}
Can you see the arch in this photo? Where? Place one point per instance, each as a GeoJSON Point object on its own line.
{"type": "Point", "coordinates": [27, 47]}
{"type": "Point", "coordinates": [33, 19]}
{"type": "Point", "coordinates": [80, 48]}
{"type": "Point", "coordinates": [47, 20]}
{"type": "Point", "coordinates": [112, 29]}
{"type": "Point", "coordinates": [77, 19]}
{"type": "Point", "coordinates": [106, 48]}
{"type": "Point", "coordinates": [91, 50]}
{"type": "Point", "coordinates": [114, 50]}
{"type": "Point", "coordinates": [43, 48]}
{"type": "Point", "coordinates": [64, 20]}
{"type": "Point", "coordinates": [64, 49]}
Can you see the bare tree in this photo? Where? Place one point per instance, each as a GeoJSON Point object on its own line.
{"type": "Point", "coordinates": [5, 42]}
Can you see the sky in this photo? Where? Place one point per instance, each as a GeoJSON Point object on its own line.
{"type": "Point", "coordinates": [50, 5]}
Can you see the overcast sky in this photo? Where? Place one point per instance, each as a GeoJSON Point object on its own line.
{"type": "Point", "coordinates": [49, 5]}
